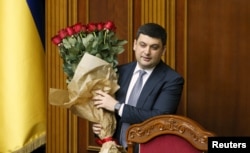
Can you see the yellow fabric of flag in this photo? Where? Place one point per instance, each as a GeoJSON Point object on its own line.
{"type": "Point", "coordinates": [22, 80]}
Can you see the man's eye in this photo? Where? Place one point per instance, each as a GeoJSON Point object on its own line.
{"type": "Point", "coordinates": [143, 45]}
{"type": "Point", "coordinates": [155, 47]}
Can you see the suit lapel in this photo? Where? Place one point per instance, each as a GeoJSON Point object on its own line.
{"type": "Point", "coordinates": [124, 80]}
{"type": "Point", "coordinates": [152, 81]}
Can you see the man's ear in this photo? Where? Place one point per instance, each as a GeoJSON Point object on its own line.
{"type": "Point", "coordinates": [134, 45]}
{"type": "Point", "coordinates": [164, 49]}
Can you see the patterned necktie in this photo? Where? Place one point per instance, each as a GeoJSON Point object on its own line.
{"type": "Point", "coordinates": [133, 98]}
{"type": "Point", "coordinates": [136, 91]}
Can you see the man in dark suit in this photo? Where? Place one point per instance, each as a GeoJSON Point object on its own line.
{"type": "Point", "coordinates": [161, 85]}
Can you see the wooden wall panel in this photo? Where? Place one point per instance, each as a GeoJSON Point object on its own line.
{"type": "Point", "coordinates": [61, 124]}
{"type": "Point", "coordinates": [181, 49]}
{"type": "Point", "coordinates": [57, 130]}
{"type": "Point", "coordinates": [163, 13]}
{"type": "Point", "coordinates": [217, 53]}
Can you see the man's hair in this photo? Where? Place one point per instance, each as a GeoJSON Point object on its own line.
{"type": "Point", "coordinates": [153, 30]}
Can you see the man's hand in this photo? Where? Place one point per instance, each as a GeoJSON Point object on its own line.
{"type": "Point", "coordinates": [96, 127]}
{"type": "Point", "coordinates": [104, 100]}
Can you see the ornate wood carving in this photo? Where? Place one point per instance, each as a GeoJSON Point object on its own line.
{"type": "Point", "coordinates": [170, 124]}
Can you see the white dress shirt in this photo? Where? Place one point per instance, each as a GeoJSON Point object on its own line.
{"type": "Point", "coordinates": [132, 83]}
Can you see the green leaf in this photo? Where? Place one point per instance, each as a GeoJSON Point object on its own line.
{"type": "Point", "coordinates": [87, 40]}
{"type": "Point", "coordinates": [72, 40]}
{"type": "Point", "coordinates": [104, 46]}
{"type": "Point", "coordinates": [122, 42]}
{"type": "Point", "coordinates": [95, 43]}
{"type": "Point", "coordinates": [93, 51]}
{"type": "Point", "coordinates": [66, 43]}
{"type": "Point", "coordinates": [118, 49]}
{"type": "Point", "coordinates": [109, 59]}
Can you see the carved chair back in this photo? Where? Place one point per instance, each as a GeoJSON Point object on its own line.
{"type": "Point", "coordinates": [168, 134]}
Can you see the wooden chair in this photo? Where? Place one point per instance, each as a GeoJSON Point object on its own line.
{"type": "Point", "coordinates": [168, 134]}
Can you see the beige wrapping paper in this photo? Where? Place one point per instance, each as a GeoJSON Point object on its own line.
{"type": "Point", "coordinates": [92, 73]}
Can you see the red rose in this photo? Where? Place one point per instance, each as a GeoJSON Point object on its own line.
{"type": "Point", "coordinates": [91, 27]}
{"type": "Point", "coordinates": [56, 40]}
{"type": "Point", "coordinates": [63, 33]}
{"type": "Point", "coordinates": [109, 25]}
{"type": "Point", "coordinates": [70, 31]}
{"type": "Point", "coordinates": [100, 26]}
{"type": "Point", "coordinates": [84, 28]}
{"type": "Point", "coordinates": [77, 27]}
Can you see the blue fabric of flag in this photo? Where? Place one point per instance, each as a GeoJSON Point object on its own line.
{"type": "Point", "coordinates": [37, 8]}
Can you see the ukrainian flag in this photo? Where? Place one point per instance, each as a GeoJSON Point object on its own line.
{"type": "Point", "coordinates": [22, 77]}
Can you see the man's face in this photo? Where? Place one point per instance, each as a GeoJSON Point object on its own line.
{"type": "Point", "coordinates": [148, 51]}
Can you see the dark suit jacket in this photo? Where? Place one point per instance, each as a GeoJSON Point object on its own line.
{"type": "Point", "coordinates": [160, 94]}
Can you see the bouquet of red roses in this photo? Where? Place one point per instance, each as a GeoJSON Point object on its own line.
{"type": "Point", "coordinates": [89, 53]}
{"type": "Point", "coordinates": [97, 39]}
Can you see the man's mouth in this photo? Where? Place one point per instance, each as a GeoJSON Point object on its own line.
{"type": "Point", "coordinates": [146, 59]}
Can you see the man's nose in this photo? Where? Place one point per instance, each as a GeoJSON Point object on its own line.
{"type": "Point", "coordinates": [147, 50]}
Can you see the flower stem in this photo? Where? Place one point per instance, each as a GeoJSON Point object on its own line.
{"type": "Point", "coordinates": [105, 35]}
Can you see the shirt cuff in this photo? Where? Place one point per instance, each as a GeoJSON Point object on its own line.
{"type": "Point", "coordinates": [121, 110]}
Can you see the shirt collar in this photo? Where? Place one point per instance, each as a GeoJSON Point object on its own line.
{"type": "Point", "coordinates": [137, 68]}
